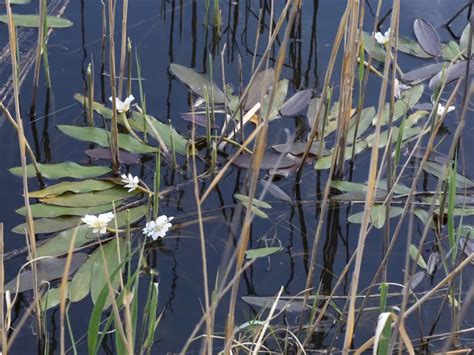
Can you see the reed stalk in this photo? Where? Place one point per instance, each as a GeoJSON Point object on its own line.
{"type": "Point", "coordinates": [123, 48]}
{"type": "Point", "coordinates": [114, 145]}
{"type": "Point", "coordinates": [22, 145]}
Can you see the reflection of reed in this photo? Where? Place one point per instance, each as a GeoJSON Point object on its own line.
{"type": "Point", "coordinates": [27, 54]}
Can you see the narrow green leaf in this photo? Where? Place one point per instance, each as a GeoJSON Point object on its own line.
{"type": "Point", "coordinates": [413, 253]}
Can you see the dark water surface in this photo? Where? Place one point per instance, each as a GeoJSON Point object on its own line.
{"type": "Point", "coordinates": [173, 31]}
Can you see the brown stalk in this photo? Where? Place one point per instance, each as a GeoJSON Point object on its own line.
{"type": "Point", "coordinates": [63, 290]}
{"type": "Point", "coordinates": [369, 201]}
{"type": "Point", "coordinates": [209, 321]}
{"type": "Point", "coordinates": [2, 299]}
{"type": "Point", "coordinates": [258, 154]}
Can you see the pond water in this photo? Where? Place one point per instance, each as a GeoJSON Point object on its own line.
{"type": "Point", "coordinates": [172, 31]}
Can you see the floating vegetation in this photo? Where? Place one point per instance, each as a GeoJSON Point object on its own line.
{"type": "Point", "coordinates": [249, 175]}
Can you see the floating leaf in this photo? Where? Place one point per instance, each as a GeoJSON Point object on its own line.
{"type": "Point", "coordinates": [276, 191]}
{"type": "Point", "coordinates": [198, 119]}
{"type": "Point", "coordinates": [59, 244]}
{"type": "Point", "coordinates": [83, 186]}
{"type": "Point", "coordinates": [180, 144]}
{"type": "Point", "coordinates": [463, 43]}
{"type": "Point", "coordinates": [409, 99]}
{"type": "Point", "coordinates": [325, 162]}
{"type": "Point", "coordinates": [297, 103]}
{"type": "Point", "coordinates": [413, 253]}
{"type": "Point", "coordinates": [419, 74]}
{"type": "Point", "coordinates": [137, 123]}
{"type": "Point", "coordinates": [437, 169]}
{"type": "Point", "coordinates": [47, 270]}
{"type": "Point", "coordinates": [82, 281]}
{"type": "Point", "coordinates": [378, 215]}
{"type": "Point", "coordinates": [100, 136]}
{"type": "Point", "coordinates": [113, 254]}
{"type": "Point", "coordinates": [270, 160]}
{"type": "Point", "coordinates": [366, 117]}
{"type": "Point", "coordinates": [427, 36]}
{"type": "Point", "coordinates": [51, 298]}
{"type": "Point", "coordinates": [19, 2]}
{"type": "Point", "coordinates": [49, 225]}
{"type": "Point", "coordinates": [34, 21]}
{"type": "Point", "coordinates": [432, 261]}
{"type": "Point", "coordinates": [256, 202]}
{"type": "Point", "coordinates": [90, 198]}
{"type": "Point", "coordinates": [260, 85]}
{"type": "Point", "coordinates": [62, 170]}
{"type": "Point", "coordinates": [40, 210]}
{"type": "Point", "coordinates": [373, 48]}
{"type": "Point", "coordinates": [261, 252]}
{"type": "Point", "coordinates": [281, 90]}
{"type": "Point", "coordinates": [409, 46]}
{"type": "Point", "coordinates": [106, 154]}
{"type": "Point", "coordinates": [450, 51]}
{"type": "Point", "coordinates": [198, 83]}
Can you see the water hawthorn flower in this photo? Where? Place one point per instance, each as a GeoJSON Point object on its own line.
{"type": "Point", "coordinates": [130, 181]}
{"type": "Point", "coordinates": [441, 108]}
{"type": "Point", "coordinates": [157, 229]}
{"type": "Point", "coordinates": [98, 223]}
{"type": "Point", "coordinates": [382, 38]}
{"type": "Point", "coordinates": [123, 106]}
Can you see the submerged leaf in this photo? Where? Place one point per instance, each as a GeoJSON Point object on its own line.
{"type": "Point", "coordinates": [34, 21]}
{"type": "Point", "coordinates": [47, 270]}
{"type": "Point", "coordinates": [437, 170]}
{"type": "Point", "coordinates": [268, 302]}
{"type": "Point", "coordinates": [62, 170]}
{"type": "Point", "coordinates": [452, 73]}
{"type": "Point", "coordinates": [106, 154]}
{"type": "Point", "coordinates": [261, 252]}
{"type": "Point", "coordinates": [198, 83]}
{"type": "Point", "coordinates": [281, 90]}
{"type": "Point", "coordinates": [259, 88]}
{"type": "Point", "coordinates": [419, 74]}
{"type": "Point", "coordinates": [275, 191]}
{"type": "Point", "coordinates": [297, 103]}
{"type": "Point", "coordinates": [416, 279]}
{"type": "Point", "coordinates": [270, 160]}
{"type": "Point", "coordinates": [427, 36]}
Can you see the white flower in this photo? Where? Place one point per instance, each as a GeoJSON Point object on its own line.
{"type": "Point", "coordinates": [157, 229]}
{"type": "Point", "coordinates": [98, 223]}
{"type": "Point", "coordinates": [399, 88]}
{"type": "Point", "coordinates": [130, 181]}
{"type": "Point", "coordinates": [382, 38]}
{"type": "Point", "coordinates": [122, 106]}
{"type": "Point", "coordinates": [441, 109]}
